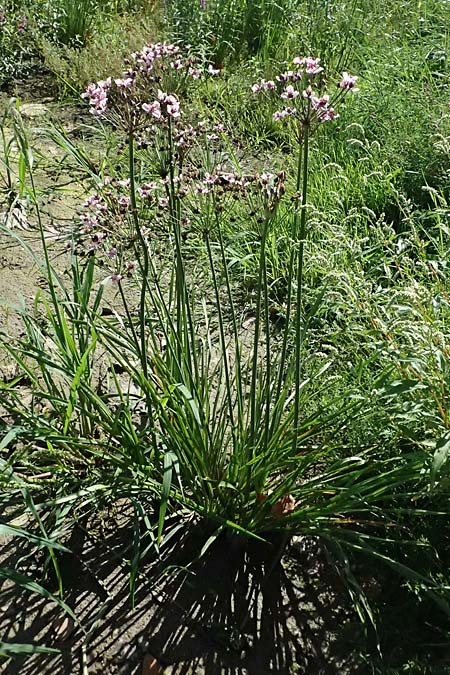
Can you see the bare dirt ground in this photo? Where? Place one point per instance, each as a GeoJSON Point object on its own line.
{"type": "Point", "coordinates": [233, 613]}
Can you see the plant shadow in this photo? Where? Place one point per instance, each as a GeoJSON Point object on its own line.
{"type": "Point", "coordinates": [241, 608]}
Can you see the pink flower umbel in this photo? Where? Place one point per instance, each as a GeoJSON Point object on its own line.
{"type": "Point", "coordinates": [313, 105]}
{"type": "Point", "coordinates": [311, 64]}
{"type": "Point", "coordinates": [98, 96]}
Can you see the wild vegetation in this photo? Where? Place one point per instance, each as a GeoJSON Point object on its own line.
{"type": "Point", "coordinates": [252, 334]}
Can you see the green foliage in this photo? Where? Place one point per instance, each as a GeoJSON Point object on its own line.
{"type": "Point", "coordinates": [226, 30]}
{"type": "Point", "coordinates": [15, 49]}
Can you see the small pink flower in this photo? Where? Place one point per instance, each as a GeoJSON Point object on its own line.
{"type": "Point", "coordinates": [348, 82]}
{"type": "Point", "coordinates": [285, 77]}
{"type": "Point", "coordinates": [210, 179]}
{"type": "Point", "coordinates": [124, 202]}
{"type": "Point", "coordinates": [328, 114]}
{"type": "Point", "coordinates": [319, 102]}
{"type": "Point", "coordinates": [116, 278]}
{"type": "Point", "coordinates": [126, 83]}
{"type": "Point", "coordinates": [213, 71]}
{"type": "Point", "coordinates": [153, 109]}
{"type": "Point", "coordinates": [256, 88]}
{"type": "Point", "coordinates": [311, 64]}
{"type": "Point", "coordinates": [281, 114]}
{"type": "Point", "coordinates": [176, 65]}
{"type": "Point", "coordinates": [147, 188]}
{"type": "Point", "coordinates": [266, 178]}
{"type": "Point", "coordinates": [89, 221]}
{"type": "Point", "coordinates": [95, 202]}
{"type": "Point", "coordinates": [202, 189]}
{"type": "Point", "coordinates": [195, 73]}
{"type": "Point", "coordinates": [173, 106]}
{"type": "Point", "coordinates": [112, 253]}
{"type": "Point", "coordinates": [290, 93]}
{"type": "Point", "coordinates": [228, 178]}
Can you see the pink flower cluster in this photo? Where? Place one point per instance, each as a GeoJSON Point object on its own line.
{"type": "Point", "coordinates": [145, 59]}
{"type": "Point", "coordinates": [144, 73]}
{"type": "Point", "coordinates": [311, 106]}
{"type": "Point", "coordinates": [167, 105]}
{"type": "Point", "coordinates": [310, 63]}
{"type": "Point", "coordinates": [98, 96]}
{"type": "Point", "coordinates": [222, 179]}
{"type": "Point", "coordinates": [263, 85]}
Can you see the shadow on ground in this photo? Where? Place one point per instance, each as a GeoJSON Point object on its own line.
{"type": "Point", "coordinates": [240, 610]}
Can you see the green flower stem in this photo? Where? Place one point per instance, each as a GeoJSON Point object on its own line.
{"type": "Point", "coordinates": [225, 362]}
{"type": "Point", "coordinates": [237, 344]}
{"type": "Point", "coordinates": [298, 314]}
{"type": "Point", "coordinates": [186, 337]}
{"type": "Point", "coordinates": [254, 423]}
{"type": "Point", "coordinates": [145, 267]}
{"type": "Point", "coordinates": [283, 357]}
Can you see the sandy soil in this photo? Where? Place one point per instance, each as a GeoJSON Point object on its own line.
{"type": "Point", "coordinates": [297, 621]}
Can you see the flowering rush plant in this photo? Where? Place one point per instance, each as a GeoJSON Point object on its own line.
{"type": "Point", "coordinates": [306, 105]}
{"type": "Point", "coordinates": [234, 422]}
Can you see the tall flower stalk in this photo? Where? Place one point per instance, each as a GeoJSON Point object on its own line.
{"type": "Point", "coordinates": [309, 106]}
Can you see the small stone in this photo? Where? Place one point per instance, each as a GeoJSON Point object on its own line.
{"type": "Point", "coordinates": [33, 110]}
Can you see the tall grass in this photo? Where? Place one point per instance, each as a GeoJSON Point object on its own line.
{"type": "Point", "coordinates": [227, 30]}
